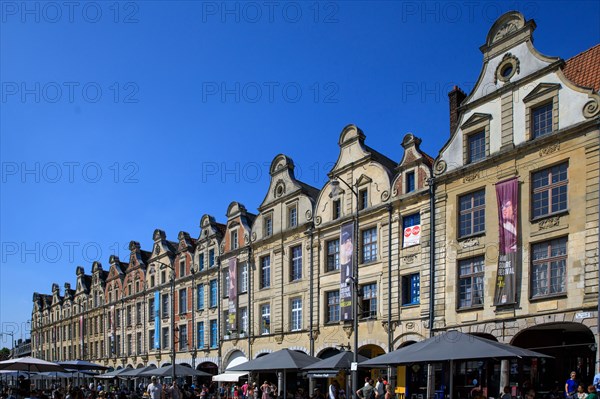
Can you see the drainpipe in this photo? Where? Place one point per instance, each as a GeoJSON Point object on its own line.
{"type": "Point", "coordinates": [430, 369]}
{"type": "Point", "coordinates": [391, 375]}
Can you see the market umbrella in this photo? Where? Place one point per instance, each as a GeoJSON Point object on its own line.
{"type": "Point", "coordinates": [30, 364]}
{"type": "Point", "coordinates": [136, 372]}
{"type": "Point", "coordinates": [113, 374]}
{"type": "Point", "coordinates": [451, 346]}
{"type": "Point", "coordinates": [82, 365]}
{"type": "Point", "coordinates": [339, 361]}
{"type": "Point", "coordinates": [181, 371]}
{"type": "Point", "coordinates": [284, 359]}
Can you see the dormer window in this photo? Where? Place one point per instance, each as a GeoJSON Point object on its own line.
{"type": "Point", "coordinates": [268, 226]}
{"type": "Point", "coordinates": [292, 216]}
{"type": "Point", "coordinates": [541, 120]}
{"type": "Point", "coordinates": [476, 146]}
{"type": "Point", "coordinates": [363, 199]}
{"type": "Point", "coordinates": [234, 239]}
{"type": "Point", "coordinates": [182, 267]}
{"type": "Point", "coordinates": [410, 182]}
{"type": "Point", "coordinates": [337, 206]}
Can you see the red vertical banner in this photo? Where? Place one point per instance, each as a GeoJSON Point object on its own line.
{"type": "Point", "coordinates": [507, 197]}
{"type": "Point", "coordinates": [346, 270]}
{"type": "Point", "coordinates": [232, 292]}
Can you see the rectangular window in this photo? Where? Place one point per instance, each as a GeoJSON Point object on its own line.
{"type": "Point", "coordinates": [243, 281]}
{"type": "Point", "coordinates": [296, 263]}
{"type": "Point", "coordinates": [363, 199]}
{"type": "Point", "coordinates": [243, 320]}
{"type": "Point", "coordinates": [234, 239]}
{"type": "Point", "coordinates": [296, 315]}
{"type": "Point", "coordinates": [211, 257]}
{"type": "Point", "coordinates": [265, 313]}
{"type": "Point", "coordinates": [476, 147]}
{"type": "Point", "coordinates": [268, 226]}
{"type": "Point", "coordinates": [129, 317]}
{"type": "Point", "coordinates": [183, 338]}
{"type": "Point", "coordinates": [471, 219]}
{"type": "Point", "coordinates": [201, 262]}
{"type": "Point", "coordinates": [333, 255]}
{"type": "Point", "coordinates": [152, 282]}
{"type": "Point", "coordinates": [292, 216]}
{"type": "Point", "coordinates": [138, 345]}
{"type": "Point", "coordinates": [200, 297]}
{"type": "Point", "coordinates": [138, 313]}
{"type": "Point", "coordinates": [150, 339]}
{"type": "Point", "coordinates": [129, 345]}
{"type": "Point", "coordinates": [214, 338]}
{"type": "Point", "coordinates": [225, 280]}
{"type": "Point", "coordinates": [163, 277]}
{"type": "Point", "coordinates": [118, 318]}
{"type": "Point", "coordinates": [151, 309]}
{"type": "Point", "coordinates": [369, 245]}
{"type": "Point", "coordinates": [411, 226]}
{"type": "Point", "coordinates": [549, 268]}
{"type": "Point", "coordinates": [541, 120]}
{"type": "Point", "coordinates": [549, 191]}
{"type": "Point", "coordinates": [265, 271]}
{"type": "Point", "coordinates": [164, 310]}
{"type": "Point", "coordinates": [333, 306]}
{"type": "Point", "coordinates": [165, 338]}
{"type": "Point", "coordinates": [213, 294]}
{"type": "Point", "coordinates": [410, 182]}
{"type": "Point", "coordinates": [200, 332]}
{"type": "Point", "coordinates": [183, 301]}
{"type": "Point", "coordinates": [369, 300]}
{"type": "Point", "coordinates": [336, 209]}
{"type": "Point", "coordinates": [181, 268]}
{"type": "Point", "coordinates": [470, 282]}
{"type": "Point", "coordinates": [411, 289]}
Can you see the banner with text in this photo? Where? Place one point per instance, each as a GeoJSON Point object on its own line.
{"type": "Point", "coordinates": [232, 291]}
{"type": "Point", "coordinates": [346, 253]}
{"type": "Point", "coordinates": [506, 194]}
{"type": "Point", "coordinates": [157, 320]}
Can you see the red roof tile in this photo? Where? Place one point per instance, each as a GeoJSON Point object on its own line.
{"type": "Point", "coordinates": [584, 68]}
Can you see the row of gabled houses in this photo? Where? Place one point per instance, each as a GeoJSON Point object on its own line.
{"type": "Point", "coordinates": [510, 253]}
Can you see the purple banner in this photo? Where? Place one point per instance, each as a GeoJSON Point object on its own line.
{"type": "Point", "coordinates": [507, 196]}
{"type": "Point", "coordinates": [346, 270]}
{"type": "Point", "coordinates": [232, 291]}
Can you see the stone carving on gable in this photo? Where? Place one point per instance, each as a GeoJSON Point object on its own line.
{"type": "Point", "coordinates": [469, 243]}
{"type": "Point", "coordinates": [318, 220]}
{"type": "Point", "coordinates": [552, 148]}
{"type": "Point", "coordinates": [385, 196]}
{"type": "Point", "coordinates": [253, 236]}
{"type": "Point", "coordinates": [508, 67]}
{"type": "Point", "coordinates": [471, 177]}
{"type": "Point", "coordinates": [439, 167]}
{"type": "Point", "coordinates": [308, 215]}
{"type": "Point", "coordinates": [548, 223]}
{"type": "Point", "coordinates": [279, 189]}
{"type": "Point", "coordinates": [504, 30]}
{"type": "Point", "coordinates": [592, 107]}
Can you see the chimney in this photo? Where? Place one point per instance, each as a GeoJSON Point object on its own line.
{"type": "Point", "coordinates": [455, 98]}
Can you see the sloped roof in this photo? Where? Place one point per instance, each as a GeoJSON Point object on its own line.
{"type": "Point", "coordinates": [584, 68]}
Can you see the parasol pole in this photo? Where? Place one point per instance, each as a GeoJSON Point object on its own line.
{"type": "Point", "coordinates": [451, 379]}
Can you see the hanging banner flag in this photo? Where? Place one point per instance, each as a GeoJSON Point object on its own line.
{"type": "Point", "coordinates": [346, 270]}
{"type": "Point", "coordinates": [156, 320]}
{"type": "Point", "coordinates": [232, 292]}
{"type": "Point", "coordinates": [412, 235]}
{"type": "Point", "coordinates": [507, 193]}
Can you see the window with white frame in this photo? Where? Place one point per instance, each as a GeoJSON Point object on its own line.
{"type": "Point", "coordinates": [369, 245]}
{"type": "Point", "coordinates": [296, 319]}
{"type": "Point", "coordinates": [183, 338]}
{"type": "Point", "coordinates": [549, 268]}
{"type": "Point", "coordinates": [243, 281]}
{"type": "Point", "coordinates": [265, 318]}
{"type": "Point", "coordinates": [243, 320]}
{"type": "Point", "coordinates": [333, 306]}
{"type": "Point", "coordinates": [164, 309]}
{"type": "Point", "coordinates": [234, 239]}
{"type": "Point", "coordinates": [265, 271]}
{"type": "Point", "coordinates": [213, 294]}
{"type": "Point", "coordinates": [333, 255]}
{"type": "Point", "coordinates": [471, 219]}
{"type": "Point", "coordinates": [183, 301]}
{"type": "Point", "coordinates": [549, 191]}
{"type": "Point", "coordinates": [211, 257]}
{"type": "Point", "coordinates": [200, 297]}
{"type": "Point", "coordinates": [182, 267]}
{"type": "Point", "coordinates": [369, 300]}
{"type": "Point", "coordinates": [470, 282]}
{"type": "Point", "coordinates": [296, 263]}
{"type": "Point", "coordinates": [292, 216]}
{"type": "Point", "coordinates": [200, 334]}
{"type": "Point", "coordinates": [225, 280]}
{"type": "Point", "coordinates": [268, 225]}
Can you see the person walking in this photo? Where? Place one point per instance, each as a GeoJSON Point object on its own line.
{"type": "Point", "coordinates": [571, 385]}
{"type": "Point", "coordinates": [155, 390]}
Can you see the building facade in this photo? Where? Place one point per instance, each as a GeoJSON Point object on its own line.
{"type": "Point", "coordinates": [497, 237]}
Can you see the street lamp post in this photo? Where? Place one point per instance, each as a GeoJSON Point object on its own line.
{"type": "Point", "coordinates": [173, 350]}
{"type": "Point", "coordinates": [12, 342]}
{"type": "Point", "coordinates": [336, 192]}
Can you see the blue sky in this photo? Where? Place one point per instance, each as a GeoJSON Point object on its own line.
{"type": "Point", "coordinates": [117, 118]}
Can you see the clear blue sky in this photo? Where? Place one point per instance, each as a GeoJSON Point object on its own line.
{"type": "Point", "coordinates": [121, 117]}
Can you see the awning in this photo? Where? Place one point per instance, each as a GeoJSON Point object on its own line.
{"type": "Point", "coordinates": [229, 376]}
{"type": "Point", "coordinates": [322, 373]}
